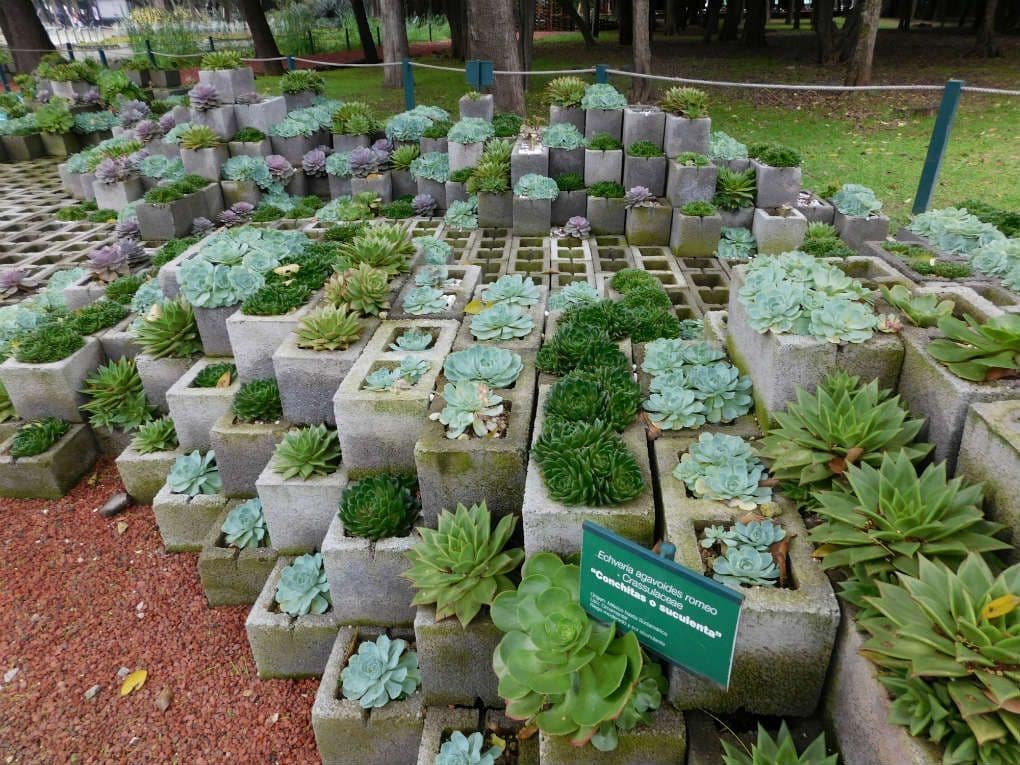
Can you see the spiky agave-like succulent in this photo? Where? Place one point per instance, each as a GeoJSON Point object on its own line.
{"type": "Point", "coordinates": [194, 474]}
{"type": "Point", "coordinates": [468, 750]}
{"type": "Point", "coordinates": [724, 468]}
{"type": "Point", "coordinates": [381, 671]}
{"type": "Point", "coordinates": [364, 288]}
{"type": "Point", "coordinates": [380, 506]}
{"type": "Point", "coordinates": [586, 463]}
{"type": "Point", "coordinates": [558, 668]}
{"type": "Point", "coordinates": [512, 289]}
{"type": "Point", "coordinates": [949, 641]}
{"type": "Point", "coordinates": [155, 436]}
{"type": "Point", "coordinates": [37, 437]}
{"type": "Point", "coordinates": [607, 394]}
{"type": "Point", "coordinates": [307, 452]}
{"type": "Point", "coordinates": [841, 424]}
{"type": "Point", "coordinates": [384, 246]}
{"type": "Point", "coordinates": [461, 565]}
{"type": "Point", "coordinates": [169, 330]}
{"type": "Point", "coordinates": [425, 300]}
{"type": "Point", "coordinates": [258, 401]}
{"type": "Point", "coordinates": [470, 404]}
{"type": "Point", "coordinates": [979, 352]}
{"type": "Point", "coordinates": [503, 321]}
{"type": "Point", "coordinates": [245, 525]}
{"type": "Point", "coordinates": [116, 397]}
{"type": "Point", "coordinates": [303, 588]}
{"type": "Point", "coordinates": [780, 750]}
{"type": "Point", "coordinates": [496, 367]}
{"type": "Point", "coordinates": [328, 328]}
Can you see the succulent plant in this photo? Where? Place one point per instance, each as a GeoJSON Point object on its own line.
{"type": "Point", "coordinates": [116, 397]}
{"type": "Point", "coordinates": [947, 640]}
{"type": "Point", "coordinates": [577, 347]}
{"type": "Point", "coordinates": [379, 507]}
{"type": "Point", "coordinates": [724, 392]}
{"type": "Point", "coordinates": [328, 328]}
{"type": "Point", "coordinates": [502, 321]}
{"type": "Point", "coordinates": [221, 59]}
{"type": "Point", "coordinates": [245, 525]}
{"type": "Point", "coordinates": [563, 135]}
{"type": "Point", "coordinates": [535, 186]}
{"type": "Point", "coordinates": [923, 310]}
{"type": "Point", "coordinates": [155, 436]}
{"type": "Point", "coordinates": [258, 401]}
{"type": "Point", "coordinates": [979, 352]}
{"type": "Point", "coordinates": [383, 246]}
{"type": "Point", "coordinates": [37, 437]}
{"type": "Point", "coordinates": [843, 321]}
{"type": "Point", "coordinates": [424, 205]}
{"type": "Point", "coordinates": [412, 340]}
{"type": "Point", "coordinates": [307, 452]}
{"type": "Point", "coordinates": [380, 672]}
{"type": "Point", "coordinates": [558, 669]}
{"type": "Point", "coordinates": [195, 474]}
{"type": "Point", "coordinates": [564, 91]}
{"type": "Point", "coordinates": [844, 423]}
{"type": "Point", "coordinates": [13, 279]}
{"type": "Point", "coordinates": [131, 112]}
{"type": "Point", "coordinates": [856, 200]}
{"type": "Point", "coordinates": [512, 289]}
{"type": "Point", "coordinates": [470, 130]}
{"type": "Point", "coordinates": [407, 373]}
{"type": "Point", "coordinates": [462, 215]}
{"type": "Point", "coordinates": [425, 300]}
{"type": "Point", "coordinates": [577, 226]}
{"type": "Point", "coordinates": [723, 468]}
{"type": "Point", "coordinates": [201, 226]}
{"type": "Point", "coordinates": [954, 230]}
{"type": "Point", "coordinates": [640, 196]}
{"type": "Point", "coordinates": [431, 276]}
{"type": "Point", "coordinates": [675, 409]}
{"type": "Point", "coordinates": [468, 750]}
{"type": "Point", "coordinates": [671, 355]}
{"type": "Point", "coordinates": [363, 288]}
{"type": "Point", "coordinates": [603, 96]}
{"type": "Point", "coordinates": [461, 565]}
{"type": "Point", "coordinates": [685, 102]}
{"type": "Point", "coordinates": [780, 750]}
{"type": "Point", "coordinates": [407, 126]}
{"type": "Point", "coordinates": [113, 170]}
{"type": "Point", "coordinates": [495, 367]}
{"type": "Point", "coordinates": [607, 394]}
{"type": "Point", "coordinates": [432, 166]}
{"type": "Point", "coordinates": [363, 162]}
{"type": "Point", "coordinates": [470, 404]}
{"type": "Point", "coordinates": [725, 147]}
{"type": "Point", "coordinates": [744, 564]}
{"type": "Point", "coordinates": [197, 137]}
{"type": "Point", "coordinates": [435, 251]}
{"type": "Point", "coordinates": [169, 330]}
{"type": "Point", "coordinates": [303, 588]}
{"type": "Point", "coordinates": [280, 168]}
{"type": "Point", "coordinates": [148, 130]}
{"type": "Point", "coordinates": [314, 163]}
{"type": "Point", "coordinates": [574, 294]}
{"type": "Point", "coordinates": [237, 214]}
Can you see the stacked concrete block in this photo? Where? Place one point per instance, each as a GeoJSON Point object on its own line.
{"type": "Point", "coordinates": [528, 157]}
{"type": "Point", "coordinates": [52, 389]}
{"type": "Point", "coordinates": [814, 208]}
{"type": "Point", "coordinates": [53, 473]}
{"type": "Point", "coordinates": [144, 475]}
{"type": "Point", "coordinates": [608, 121]}
{"type": "Point", "coordinates": [855, 230]}
{"type": "Point", "coordinates": [649, 226]}
{"type": "Point", "coordinates": [212, 328]}
{"type": "Point", "coordinates": [195, 410]}
{"type": "Point", "coordinates": [243, 450]}
{"type": "Point", "coordinates": [298, 512]}
{"type": "Point", "coordinates": [683, 134]}
{"type": "Point", "coordinates": [230, 576]}
{"type": "Point", "coordinates": [664, 742]}
{"type": "Point", "coordinates": [184, 522]}
{"type": "Point", "coordinates": [693, 235]}
{"type": "Point", "coordinates": [778, 230]}
{"type": "Point", "coordinates": [448, 658]}
{"type": "Point", "coordinates": [254, 339]}
{"type": "Point", "coordinates": [777, 186]}
{"type": "Point", "coordinates": [603, 166]}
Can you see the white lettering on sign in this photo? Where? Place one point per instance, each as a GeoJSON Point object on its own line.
{"type": "Point", "coordinates": [607, 558]}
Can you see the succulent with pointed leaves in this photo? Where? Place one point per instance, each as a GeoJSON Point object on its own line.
{"type": "Point", "coordinates": [303, 588]}
{"type": "Point", "coordinates": [245, 525]}
{"type": "Point", "coordinates": [363, 288]}
{"type": "Point", "coordinates": [204, 97]}
{"type": "Point", "coordinates": [195, 474]}
{"type": "Point", "coordinates": [780, 750]}
{"type": "Point", "coordinates": [329, 328]}
{"type": "Point", "coordinates": [380, 672]}
{"type": "Point", "coordinates": [380, 507]}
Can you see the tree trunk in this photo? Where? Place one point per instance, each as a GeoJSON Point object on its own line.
{"type": "Point", "coordinates": [262, 36]}
{"type": "Point", "coordinates": [581, 22]}
{"type": "Point", "coordinates": [858, 71]}
{"type": "Point", "coordinates": [848, 35]}
{"type": "Point", "coordinates": [672, 22]}
{"type": "Point", "coordinates": [712, 19]}
{"type": "Point", "coordinates": [364, 32]}
{"type": "Point", "coordinates": [395, 48]}
{"type": "Point", "coordinates": [906, 15]}
{"type": "Point", "coordinates": [731, 24]}
{"type": "Point", "coordinates": [526, 25]}
{"type": "Point", "coordinates": [625, 18]}
{"type": "Point", "coordinates": [798, 8]}
{"type": "Point", "coordinates": [456, 15]}
{"type": "Point", "coordinates": [825, 31]}
{"type": "Point", "coordinates": [492, 35]}
{"type": "Point", "coordinates": [985, 43]}
{"type": "Point", "coordinates": [23, 29]}
{"type": "Point", "coordinates": [642, 89]}
{"type": "Point", "coordinates": [754, 27]}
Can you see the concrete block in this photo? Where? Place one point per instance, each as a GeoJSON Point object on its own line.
{"type": "Point", "coordinates": [116, 196]}
{"type": "Point", "coordinates": [229, 83]}
{"type": "Point", "coordinates": [262, 148]}
{"type": "Point", "coordinates": [607, 215]}
{"type": "Point", "coordinates": [23, 148]}
{"type": "Point", "coordinates": [603, 166]}
{"type": "Point", "coordinates": [779, 230]}
{"type": "Point", "coordinates": [242, 451]}
{"type": "Point", "coordinates": [365, 577]}
{"type": "Point", "coordinates": [195, 410]}
{"type": "Point", "coordinates": [526, 158]}
{"type": "Point", "coordinates": [60, 144]}
{"type": "Point", "coordinates": [403, 183]}
{"type": "Point", "coordinates": [480, 107]}
{"type": "Point", "coordinates": [566, 161]}
{"type": "Point", "coordinates": [345, 733]}
{"type": "Point", "coordinates": [339, 186]}
{"type": "Point", "coordinates": [53, 389]}
{"type": "Point", "coordinates": [664, 742]}
{"type": "Point", "coordinates": [690, 183]}
{"type": "Point", "coordinates": [436, 190]}
{"type": "Point", "coordinates": [233, 577]}
{"type": "Point", "coordinates": [777, 186]}
{"type": "Point", "coordinates": [643, 122]}
{"type": "Point", "coordinates": [262, 115]}
{"type": "Point", "coordinates": [301, 100]}
{"type": "Point", "coordinates": [254, 339]}
{"type": "Point", "coordinates": [495, 210]}
{"type": "Point", "coordinates": [348, 143]}
{"type": "Point", "coordinates": [204, 162]}
{"type": "Point", "coordinates": [158, 375]}
{"type": "Point", "coordinates": [285, 646]}
{"type": "Point", "coordinates": [53, 473]}
{"type": "Point", "coordinates": [380, 184]}
{"type": "Point", "coordinates": [464, 155]}
{"type": "Point", "coordinates": [568, 205]}
{"type": "Point", "coordinates": [608, 121]}
{"type": "Point", "coordinates": [462, 283]}
{"type": "Point", "coordinates": [433, 144]}
{"type": "Point", "coordinates": [184, 522]}
{"type": "Point", "coordinates": [855, 230]}
{"type": "Point", "coordinates": [452, 192]}
{"type": "Point", "coordinates": [144, 475]}
{"type": "Point", "coordinates": [571, 114]}
{"type": "Point", "coordinates": [118, 342]}
{"type": "Point", "coordinates": [785, 637]}
{"type": "Point", "coordinates": [83, 292]}
{"type": "Point", "coordinates": [741, 218]}
{"type": "Point", "coordinates": [649, 226]}
{"type": "Point", "coordinates": [649, 172]}
{"type": "Point", "coordinates": [212, 328]}
{"type": "Point", "coordinates": [240, 191]}
{"type": "Point", "coordinates": [682, 134]}
{"type": "Point", "coordinates": [814, 208]}
{"type": "Point", "coordinates": [454, 660]}
{"type": "Point", "coordinates": [532, 217]}
{"type": "Point", "coordinates": [693, 236]}
{"type": "Point", "coordinates": [298, 512]}
{"type": "Point", "coordinates": [163, 222]}
{"type": "Point", "coordinates": [220, 119]}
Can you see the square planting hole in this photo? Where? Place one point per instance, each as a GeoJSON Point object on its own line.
{"type": "Point", "coordinates": [530, 253]}
{"type": "Point", "coordinates": [571, 267]}
{"type": "Point", "coordinates": [714, 297]}
{"type": "Point", "coordinates": [391, 365]}
{"type": "Point", "coordinates": [711, 279]}
{"type": "Point", "coordinates": [531, 241]}
{"type": "Point", "coordinates": [396, 332]}
{"type": "Point", "coordinates": [666, 277]}
{"type": "Point", "coordinates": [700, 263]}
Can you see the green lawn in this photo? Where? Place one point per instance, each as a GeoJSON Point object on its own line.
{"type": "Point", "coordinates": [879, 140]}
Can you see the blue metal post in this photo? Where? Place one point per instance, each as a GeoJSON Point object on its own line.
{"type": "Point", "coordinates": [601, 75]}
{"type": "Point", "coordinates": [70, 52]}
{"type": "Point", "coordinates": [148, 50]}
{"type": "Point", "coordinates": [102, 58]}
{"type": "Point", "coordinates": [408, 85]}
{"type": "Point", "coordinates": [3, 78]}
{"type": "Point", "coordinates": [937, 145]}
{"type": "Point", "coordinates": [291, 63]}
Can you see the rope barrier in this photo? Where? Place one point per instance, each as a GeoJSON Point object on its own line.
{"type": "Point", "coordinates": [438, 68]}
{"type": "Point", "coordinates": [340, 63]}
{"type": "Point", "coordinates": [547, 71]}
{"type": "Point", "coordinates": [994, 91]}
{"type": "Point", "coordinates": [776, 86]}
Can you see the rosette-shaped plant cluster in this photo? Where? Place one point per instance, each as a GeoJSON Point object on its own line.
{"type": "Point", "coordinates": [535, 186]}
{"type": "Point", "coordinates": [575, 346]}
{"type": "Point", "coordinates": [462, 215]}
{"type": "Point", "coordinates": [113, 170]}
{"type": "Point", "coordinates": [303, 588]}
{"type": "Point", "coordinates": [168, 329]}
{"type": "Point", "coordinates": [245, 525]}
{"type": "Point", "coordinates": [364, 161]}
{"type": "Point", "coordinates": [920, 310]}
{"type": "Point", "coordinates": [468, 750]}
{"type": "Point", "coordinates": [586, 463]}
{"type": "Point", "coordinates": [314, 163]}
{"type": "Point", "coordinates": [857, 200]}
{"type": "Point", "coordinates": [724, 468]}
{"type": "Point", "coordinates": [462, 565]}
{"type": "Point", "coordinates": [743, 554]}
{"type": "Point", "coordinates": [131, 112]}
{"type": "Point", "coordinates": [237, 214]}
{"type": "Point", "coordinates": [424, 205]}
{"type": "Point", "coordinates": [380, 672]}
{"type": "Point", "coordinates": [280, 168]}
{"type": "Point", "coordinates": [603, 96]}
{"type": "Point", "coordinates": [574, 294]}
{"type": "Point", "coordinates": [364, 289]}
{"type": "Point", "coordinates": [108, 262]}
{"type": "Point", "coordinates": [379, 507]}
{"type": "Point", "coordinates": [13, 279]}
{"type": "Point", "coordinates": [116, 398]}
{"type": "Point", "coordinates": [577, 226]}
{"type": "Point", "coordinates": [564, 91]}
{"type": "Point", "coordinates": [425, 300]}
{"type": "Point", "coordinates": [435, 251]}
{"type": "Point", "coordinates": [979, 352]}
{"type": "Point", "coordinates": [470, 404]}
{"type": "Point", "coordinates": [155, 436]}
{"type": "Point", "coordinates": [204, 97]}
{"type": "Point", "coordinates": [502, 322]}
{"type": "Point", "coordinates": [948, 641]}
{"type": "Point", "coordinates": [607, 394]}
{"type": "Point", "coordinates": [195, 474]}
{"type": "Point", "coordinates": [258, 401]}
{"type": "Point", "coordinates": [640, 196]}
{"type": "Point", "coordinates": [562, 135]}
{"type": "Point", "coordinates": [412, 340]}
{"type": "Point", "coordinates": [37, 437]}
{"type": "Point", "coordinates": [780, 750]}
{"type": "Point", "coordinates": [432, 166]}
{"type": "Point", "coordinates": [406, 374]}
{"type": "Point", "coordinates": [725, 147]}
{"type": "Point", "coordinates": [736, 244]}
{"type": "Point", "coordinates": [307, 452]}
{"type": "Point", "coordinates": [512, 289]}
{"type": "Point", "coordinates": [954, 230]}
{"type": "Point", "coordinates": [386, 246]}
{"type": "Point", "coordinates": [559, 669]}
{"type": "Point", "coordinates": [471, 130]}
{"type": "Point", "coordinates": [495, 367]}
{"type": "Point", "coordinates": [843, 423]}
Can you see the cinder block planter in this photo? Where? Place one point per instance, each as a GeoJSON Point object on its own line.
{"type": "Point", "coordinates": [53, 473]}
{"type": "Point", "coordinates": [378, 429]}
{"type": "Point", "coordinates": [452, 192]}
{"type": "Point", "coordinates": [298, 100]}
{"type": "Point", "coordinates": [856, 710]}
{"type": "Point", "coordinates": [380, 184]}
{"type": "Point", "coordinates": [348, 143]}
{"type": "Point", "coordinates": [686, 183]}
{"type": "Point", "coordinates": [568, 205]}
{"type": "Point", "coordinates": [221, 119]}
{"type": "Point", "coordinates": [229, 83]}
{"type": "Point", "coordinates": [607, 215]}
{"type": "Point", "coordinates": [233, 577]}
{"type": "Point", "coordinates": [603, 121]}
{"type": "Point", "coordinates": [240, 191]}
{"type": "Point", "coordinates": [118, 342]}
{"type": "Point", "coordinates": [742, 218]}
{"type": "Point", "coordinates": [532, 217]}
{"type": "Point", "coordinates": [23, 148]}
{"type": "Point", "coordinates": [261, 148]}
{"type": "Point", "coordinates": [649, 172]}
{"type": "Point", "coordinates": [777, 186]}
{"type": "Point", "coordinates": [195, 410]}
{"type": "Point", "coordinates": [566, 161]}
{"type": "Point", "coordinates": [339, 186]}
{"type": "Point", "coordinates": [649, 226]}
{"type": "Point", "coordinates": [184, 522]}
{"type": "Point", "coordinates": [297, 512]}
{"type": "Point", "coordinates": [162, 222]}
{"type": "Point", "coordinates": [86, 290]}
{"type": "Point", "coordinates": [112, 442]}
{"type": "Point", "coordinates": [441, 722]}
{"type": "Point", "coordinates": [437, 190]}
{"type": "Point", "coordinates": [785, 637]}
{"type": "Point", "coordinates": [51, 390]}
{"type": "Point", "coordinates": [664, 742]}
{"type": "Point", "coordinates": [285, 646]}
{"type": "Point", "coordinates": [212, 328]}
{"type": "Point", "coordinates": [855, 230]}
{"type": "Point", "coordinates": [116, 196]}
{"type": "Point", "coordinates": [693, 236]}
{"type": "Point", "coordinates": [479, 107]}
{"type": "Point", "coordinates": [495, 210]}
{"type": "Point", "coordinates": [145, 474]}
{"type": "Point", "coordinates": [254, 339]}
{"type": "Point", "coordinates": [682, 134]}
{"type": "Point", "coordinates": [527, 158]}
{"type": "Point", "coordinates": [158, 375]}
{"type": "Point", "coordinates": [297, 185]}
{"type": "Point", "coordinates": [434, 144]}
{"type": "Point", "coordinates": [778, 230]}
{"type": "Point", "coordinates": [552, 526]}
{"type": "Point", "coordinates": [69, 88]}
{"type": "Point", "coordinates": [71, 181]}
{"type": "Point", "coordinates": [402, 183]}
{"type": "Point", "coordinates": [165, 78]}
{"type": "Point", "coordinates": [204, 162]}
{"type": "Point", "coordinates": [463, 155]}
{"type": "Point", "coordinates": [466, 278]}
{"type": "Point", "coordinates": [449, 657]}
{"type": "Point", "coordinates": [643, 122]}
{"type": "Point", "coordinates": [309, 379]}
{"type": "Point", "coordinates": [779, 364]}
{"type": "Point", "coordinates": [573, 115]}
{"type": "Point", "coordinates": [345, 733]}
{"type": "Point", "coordinates": [243, 450]}
{"type": "Point", "coordinates": [60, 144]}
{"type": "Point", "coordinates": [262, 115]}
{"type": "Point", "coordinates": [365, 577]}
{"type": "Point", "coordinates": [814, 208]}
{"type": "Point", "coordinates": [603, 166]}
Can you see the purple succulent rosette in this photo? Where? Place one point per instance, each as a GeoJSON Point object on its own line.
{"type": "Point", "coordinates": [314, 163]}
{"type": "Point", "coordinates": [12, 278]}
{"type": "Point", "coordinates": [201, 226]}
{"type": "Point", "coordinates": [89, 97]}
{"type": "Point", "coordinates": [364, 161]}
{"type": "Point", "coordinates": [204, 97]}
{"type": "Point", "coordinates": [424, 205]}
{"type": "Point", "coordinates": [148, 130]}
{"type": "Point", "coordinates": [43, 95]}
{"type": "Point", "coordinates": [236, 215]}
{"type": "Point", "coordinates": [280, 168]}
{"type": "Point", "coordinates": [108, 262]}
{"type": "Point", "coordinates": [167, 122]}
{"type": "Point", "coordinates": [640, 196]}
{"type": "Point", "coordinates": [131, 249]}
{"type": "Point", "coordinates": [128, 229]}
{"type": "Point", "coordinates": [132, 112]}
{"type": "Point", "coordinates": [249, 98]}
{"type": "Point", "coordinates": [113, 170]}
{"type": "Point", "coordinates": [578, 226]}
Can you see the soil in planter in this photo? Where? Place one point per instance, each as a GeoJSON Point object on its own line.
{"type": "Point", "coordinates": [926, 264]}
{"type": "Point", "coordinates": [779, 550]}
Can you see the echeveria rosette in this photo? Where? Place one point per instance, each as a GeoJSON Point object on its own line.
{"type": "Point", "coordinates": [724, 468]}
{"type": "Point", "coordinates": [671, 355]}
{"type": "Point", "coordinates": [512, 289]}
{"type": "Point", "coordinates": [502, 322]}
{"type": "Point", "coordinates": [724, 392]}
{"type": "Point", "coordinates": [314, 163]}
{"type": "Point", "coordinates": [559, 669]}
{"type": "Point", "coordinates": [496, 367]}
{"type": "Point", "coordinates": [675, 409]}
{"type": "Point", "coordinates": [535, 186]}
{"type": "Point", "coordinates": [563, 135]}
{"type": "Point", "coordinates": [432, 166]}
{"type": "Point", "coordinates": [470, 405]}
{"type": "Point", "coordinates": [148, 130]}
{"type": "Point", "coordinates": [279, 168]}
{"type": "Point", "coordinates": [468, 750]}
{"type": "Point", "coordinates": [413, 340]}
{"type": "Point", "coordinates": [577, 226]}
{"type": "Point", "coordinates": [12, 278]}
{"type": "Point", "coordinates": [194, 474]}
{"type": "Point", "coordinates": [856, 200]}
{"type": "Point", "coordinates": [131, 112]}
{"type": "Point", "coordinates": [424, 205]}
{"type": "Point", "coordinates": [435, 251]}
{"type": "Point", "coordinates": [574, 294]}
{"type": "Point", "coordinates": [462, 215]}
{"type": "Point", "coordinates": [425, 300]}
{"type": "Point", "coordinates": [603, 96]}
{"type": "Point", "coordinates": [167, 122]}
{"type": "Point", "coordinates": [640, 196]}
{"type": "Point", "coordinates": [245, 525]}
{"type": "Point", "coordinates": [471, 130]}
{"type": "Point", "coordinates": [381, 671]}
{"type": "Point", "coordinates": [954, 230]}
{"type": "Point", "coordinates": [842, 321]}
{"type": "Point", "coordinates": [204, 97]}
{"type": "Point", "coordinates": [743, 564]}
{"type": "Point", "coordinates": [303, 588]}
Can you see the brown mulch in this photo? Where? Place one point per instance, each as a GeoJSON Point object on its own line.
{"type": "Point", "coordinates": [82, 596]}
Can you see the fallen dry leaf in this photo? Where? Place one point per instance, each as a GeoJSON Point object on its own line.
{"type": "Point", "coordinates": [121, 527]}
{"type": "Point", "coordinates": [133, 681]}
{"type": "Point", "coordinates": [779, 552]}
{"type": "Point", "coordinates": [272, 718]}
{"type": "Point", "coordinates": [225, 379]}
{"type": "Point", "coordinates": [164, 699]}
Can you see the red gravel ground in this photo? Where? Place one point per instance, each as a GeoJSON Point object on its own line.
{"type": "Point", "coordinates": [82, 596]}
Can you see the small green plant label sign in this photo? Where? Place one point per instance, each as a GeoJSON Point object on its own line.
{"type": "Point", "coordinates": [677, 613]}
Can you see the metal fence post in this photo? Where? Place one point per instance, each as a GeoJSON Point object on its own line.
{"type": "Point", "coordinates": [937, 145]}
{"type": "Point", "coordinates": [70, 52]}
{"type": "Point", "coordinates": [212, 44]}
{"type": "Point", "coordinates": [291, 63]}
{"type": "Point", "coordinates": [408, 85]}
{"type": "Point", "coordinates": [148, 50]}
{"type": "Point", "coordinates": [601, 75]}
{"type": "Point", "coordinates": [3, 78]}
{"type": "Point", "coordinates": [102, 58]}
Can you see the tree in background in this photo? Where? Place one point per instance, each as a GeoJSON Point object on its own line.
{"type": "Point", "coordinates": [492, 35]}
{"type": "Point", "coordinates": [395, 47]}
{"type": "Point", "coordinates": [261, 35]}
{"type": "Point", "coordinates": [985, 43]}
{"type": "Point", "coordinates": [858, 71]}
{"type": "Point", "coordinates": [642, 90]}
{"type": "Point", "coordinates": [23, 29]}
{"type": "Point", "coordinates": [364, 32]}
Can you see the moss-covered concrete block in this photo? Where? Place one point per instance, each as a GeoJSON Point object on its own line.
{"type": "Point", "coordinates": [144, 475]}
{"type": "Point", "coordinates": [233, 577]}
{"type": "Point", "coordinates": [607, 215]}
{"type": "Point", "coordinates": [53, 389]}
{"type": "Point", "coordinates": [455, 661]}
{"type": "Point", "coordinates": [694, 236]}
{"type": "Point", "coordinates": [195, 410]}
{"type": "Point", "coordinates": [649, 226]}
{"type": "Point", "coordinates": [184, 522]}
{"type": "Point", "coordinates": [243, 450]}
{"type": "Point", "coordinates": [441, 722]}
{"type": "Point", "coordinates": [285, 646]}
{"type": "Point", "coordinates": [159, 375]}
{"type": "Point", "coordinates": [532, 217]}
{"type": "Point", "coordinates": [53, 473]}
{"type": "Point", "coordinates": [664, 742]}
{"type": "Point", "coordinates": [254, 339]}
{"type": "Point", "coordinates": [297, 512]}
